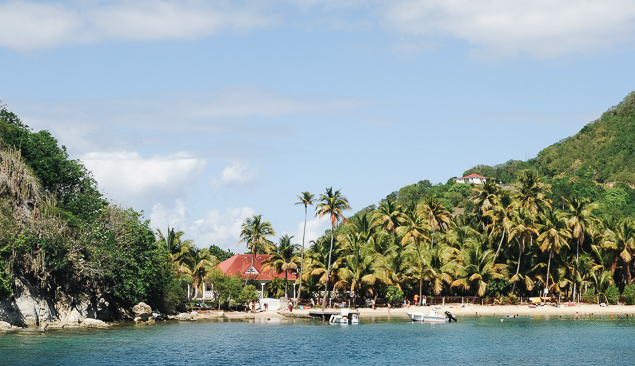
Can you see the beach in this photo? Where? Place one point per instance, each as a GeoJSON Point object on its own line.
{"type": "Point", "coordinates": [457, 310]}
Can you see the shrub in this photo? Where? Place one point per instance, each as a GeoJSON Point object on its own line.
{"type": "Point", "coordinates": [629, 294]}
{"type": "Point", "coordinates": [612, 294]}
{"type": "Point", "coordinates": [513, 299]}
{"type": "Point", "coordinates": [590, 297]}
{"type": "Point", "coordinates": [394, 294]}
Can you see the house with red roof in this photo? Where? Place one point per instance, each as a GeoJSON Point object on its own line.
{"type": "Point", "coordinates": [240, 265]}
{"type": "Point", "coordinates": [471, 179]}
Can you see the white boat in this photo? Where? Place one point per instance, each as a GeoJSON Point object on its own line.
{"type": "Point", "coordinates": [432, 317]}
{"type": "Point", "coordinates": [345, 317]}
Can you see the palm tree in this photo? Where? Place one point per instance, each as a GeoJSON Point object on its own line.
{"type": "Point", "coordinates": [475, 269]}
{"type": "Point", "coordinates": [283, 259]}
{"type": "Point", "coordinates": [485, 196]}
{"type": "Point", "coordinates": [254, 233]}
{"type": "Point", "coordinates": [388, 216]}
{"type": "Point", "coordinates": [438, 266]}
{"type": "Point", "coordinates": [531, 192]}
{"type": "Point", "coordinates": [580, 221]}
{"type": "Point", "coordinates": [198, 264]}
{"type": "Point", "coordinates": [177, 249]}
{"type": "Point", "coordinates": [359, 267]}
{"type": "Point", "coordinates": [331, 204]}
{"type": "Point", "coordinates": [554, 234]}
{"type": "Point", "coordinates": [622, 242]}
{"type": "Point", "coordinates": [521, 228]}
{"type": "Point", "coordinates": [415, 230]}
{"type": "Point", "coordinates": [437, 215]}
{"type": "Point", "coordinates": [306, 199]}
{"type": "Point", "coordinates": [501, 214]}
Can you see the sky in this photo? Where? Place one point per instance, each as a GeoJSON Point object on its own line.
{"type": "Point", "coordinates": [204, 113]}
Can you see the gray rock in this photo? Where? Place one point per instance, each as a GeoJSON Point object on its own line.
{"type": "Point", "coordinates": [142, 310]}
{"type": "Point", "coordinates": [5, 325]}
{"type": "Point", "coordinates": [33, 306]}
{"type": "Point", "coordinates": [89, 322]}
{"type": "Point", "coordinates": [185, 316]}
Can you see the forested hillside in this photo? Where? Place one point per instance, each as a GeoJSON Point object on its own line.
{"type": "Point", "coordinates": [59, 235]}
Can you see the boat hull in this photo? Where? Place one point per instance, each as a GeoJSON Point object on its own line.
{"type": "Point", "coordinates": [428, 318]}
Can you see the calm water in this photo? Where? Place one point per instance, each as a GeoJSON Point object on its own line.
{"type": "Point", "coordinates": [474, 341]}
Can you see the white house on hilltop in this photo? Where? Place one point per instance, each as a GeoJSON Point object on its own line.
{"type": "Point", "coordinates": [471, 179]}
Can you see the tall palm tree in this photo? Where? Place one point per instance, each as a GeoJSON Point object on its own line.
{"type": "Point", "coordinates": [521, 228]}
{"type": "Point", "coordinates": [359, 268]}
{"type": "Point", "coordinates": [306, 199]}
{"type": "Point", "coordinates": [438, 266]}
{"type": "Point", "coordinates": [485, 196]}
{"type": "Point", "coordinates": [531, 192]}
{"type": "Point", "coordinates": [283, 259]}
{"type": "Point", "coordinates": [554, 234]}
{"type": "Point", "coordinates": [580, 222]}
{"type": "Point", "coordinates": [501, 214]}
{"type": "Point", "coordinates": [437, 215]}
{"type": "Point", "coordinates": [621, 240]}
{"type": "Point", "coordinates": [254, 233]}
{"type": "Point", "coordinates": [415, 230]}
{"type": "Point", "coordinates": [331, 204]}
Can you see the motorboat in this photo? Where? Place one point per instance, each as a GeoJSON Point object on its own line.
{"type": "Point", "coordinates": [346, 316]}
{"type": "Point", "coordinates": [432, 317]}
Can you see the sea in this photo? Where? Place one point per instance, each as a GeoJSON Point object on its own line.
{"type": "Point", "coordinates": [485, 340]}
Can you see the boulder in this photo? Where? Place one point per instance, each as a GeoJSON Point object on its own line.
{"type": "Point", "coordinates": [33, 306]}
{"type": "Point", "coordinates": [158, 316]}
{"type": "Point", "coordinates": [90, 322]}
{"type": "Point", "coordinates": [142, 310]}
{"type": "Point", "coordinates": [5, 326]}
{"type": "Point", "coordinates": [185, 316]}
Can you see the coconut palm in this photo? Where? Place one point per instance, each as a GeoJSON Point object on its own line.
{"type": "Point", "coordinates": [331, 204]}
{"type": "Point", "coordinates": [580, 221]}
{"type": "Point", "coordinates": [359, 268]}
{"type": "Point", "coordinates": [306, 199]}
{"type": "Point", "coordinates": [177, 249]}
{"type": "Point", "coordinates": [531, 192]}
{"type": "Point", "coordinates": [437, 215]}
{"type": "Point", "coordinates": [554, 234]}
{"type": "Point", "coordinates": [521, 228]}
{"type": "Point", "coordinates": [283, 259]}
{"type": "Point", "coordinates": [415, 230]}
{"type": "Point", "coordinates": [198, 264]}
{"type": "Point", "coordinates": [501, 216]}
{"type": "Point", "coordinates": [254, 233]}
{"type": "Point", "coordinates": [475, 269]}
{"type": "Point", "coordinates": [621, 240]}
{"type": "Point", "coordinates": [437, 266]}
{"type": "Point", "coordinates": [388, 216]}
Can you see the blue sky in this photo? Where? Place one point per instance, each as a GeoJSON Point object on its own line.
{"type": "Point", "coordinates": [204, 113]}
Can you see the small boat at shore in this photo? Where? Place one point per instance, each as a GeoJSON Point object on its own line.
{"type": "Point", "coordinates": [432, 317]}
{"type": "Point", "coordinates": [345, 317]}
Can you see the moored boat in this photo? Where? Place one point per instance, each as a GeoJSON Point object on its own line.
{"type": "Point", "coordinates": [432, 317]}
{"type": "Point", "coordinates": [345, 317]}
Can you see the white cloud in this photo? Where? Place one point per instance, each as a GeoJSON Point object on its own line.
{"type": "Point", "coordinates": [240, 175]}
{"type": "Point", "coordinates": [28, 25]}
{"type": "Point", "coordinates": [542, 28]}
{"type": "Point", "coordinates": [221, 228]}
{"type": "Point", "coordinates": [175, 217]}
{"type": "Point", "coordinates": [315, 228]}
{"type": "Point", "coordinates": [126, 175]}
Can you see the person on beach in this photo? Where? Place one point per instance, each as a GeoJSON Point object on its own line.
{"type": "Point", "coordinates": [424, 300]}
{"type": "Point", "coordinates": [312, 302]}
{"type": "Point", "coordinates": [388, 309]}
{"type": "Point", "coordinates": [246, 306]}
{"type": "Point", "coordinates": [290, 306]}
{"type": "Point", "coordinates": [416, 302]}
{"type": "Point", "coordinates": [372, 303]}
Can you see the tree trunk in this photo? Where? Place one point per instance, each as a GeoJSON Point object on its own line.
{"type": "Point", "coordinates": [420, 271]}
{"type": "Point", "coordinates": [499, 247]}
{"type": "Point", "coordinates": [520, 254]}
{"type": "Point", "coordinates": [302, 255]}
{"type": "Point", "coordinates": [328, 270]}
{"type": "Point", "coordinates": [548, 265]}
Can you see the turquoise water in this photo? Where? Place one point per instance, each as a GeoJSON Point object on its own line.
{"type": "Point", "coordinates": [473, 341]}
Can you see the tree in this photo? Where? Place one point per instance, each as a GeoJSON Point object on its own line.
{"type": "Point", "coordinates": [554, 233]}
{"type": "Point", "coordinates": [437, 215]}
{"type": "Point", "coordinates": [306, 199]}
{"type": "Point", "coordinates": [283, 259]}
{"type": "Point", "coordinates": [388, 216]}
{"type": "Point", "coordinates": [358, 268]}
{"type": "Point", "coordinates": [198, 264]}
{"type": "Point", "coordinates": [254, 233]}
{"type": "Point", "coordinates": [580, 221]}
{"type": "Point", "coordinates": [521, 228]}
{"type": "Point", "coordinates": [415, 230]}
{"type": "Point", "coordinates": [331, 204]}
{"type": "Point", "coordinates": [177, 249]}
{"type": "Point", "coordinates": [621, 240]}
{"type": "Point", "coordinates": [219, 253]}
{"type": "Point", "coordinates": [475, 269]}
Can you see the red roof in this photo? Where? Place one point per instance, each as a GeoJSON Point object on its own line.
{"type": "Point", "coordinates": [240, 263]}
{"type": "Point", "coordinates": [473, 176]}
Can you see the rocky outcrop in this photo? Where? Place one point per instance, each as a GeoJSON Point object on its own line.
{"type": "Point", "coordinates": [33, 307]}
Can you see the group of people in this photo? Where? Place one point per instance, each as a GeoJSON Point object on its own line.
{"type": "Point", "coordinates": [251, 307]}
